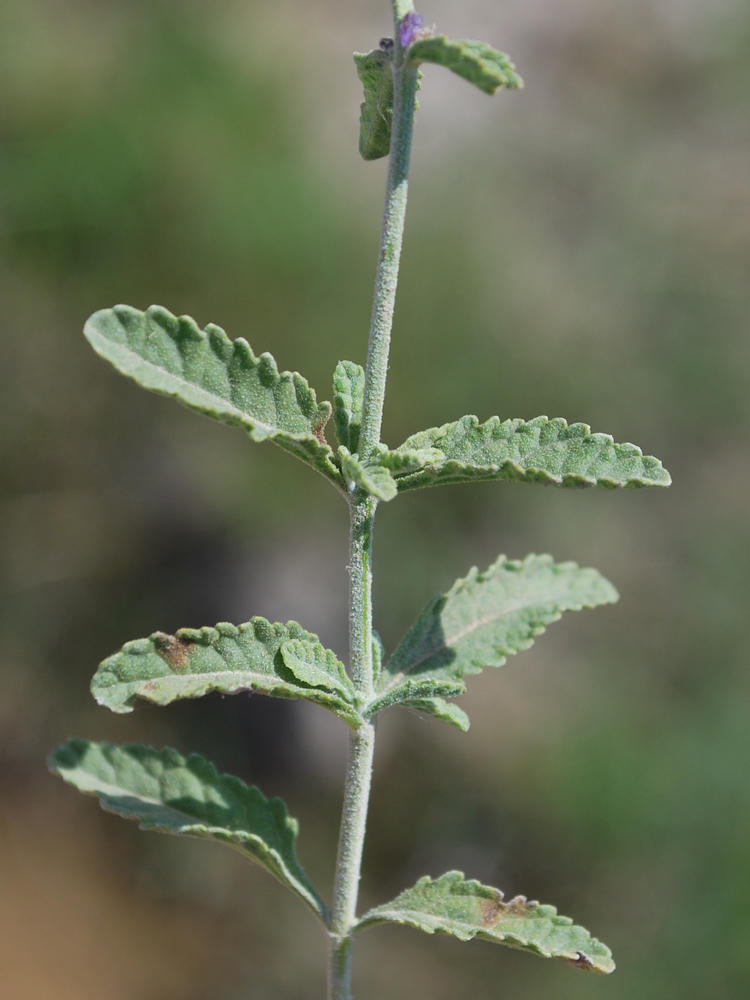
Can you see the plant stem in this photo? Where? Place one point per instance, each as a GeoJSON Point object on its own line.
{"type": "Point", "coordinates": [362, 514]}
{"type": "Point", "coordinates": [405, 84]}
{"type": "Point", "coordinates": [349, 860]}
{"type": "Point", "coordinates": [361, 747]}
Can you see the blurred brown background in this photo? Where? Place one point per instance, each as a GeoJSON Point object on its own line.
{"type": "Point", "coordinates": [579, 249]}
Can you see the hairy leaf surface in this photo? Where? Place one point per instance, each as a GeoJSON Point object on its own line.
{"type": "Point", "coordinates": [221, 378]}
{"type": "Point", "coordinates": [476, 62]}
{"type": "Point", "coordinates": [424, 695]}
{"type": "Point", "coordinates": [467, 909]}
{"type": "Point", "coordinates": [446, 711]}
{"type": "Point", "coordinates": [280, 660]}
{"type": "Point", "coordinates": [169, 793]}
{"type": "Point", "coordinates": [348, 399]}
{"type": "Point", "coordinates": [376, 111]}
{"type": "Point", "coordinates": [370, 476]}
{"type": "Point", "coordinates": [534, 451]}
{"type": "Point", "coordinates": [486, 617]}
{"type": "Point", "coordinates": [404, 461]}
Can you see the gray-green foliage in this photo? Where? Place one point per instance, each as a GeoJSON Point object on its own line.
{"type": "Point", "coordinates": [221, 378]}
{"type": "Point", "coordinates": [478, 623]}
{"type": "Point", "coordinates": [467, 909]}
{"type": "Point", "coordinates": [280, 660]}
{"type": "Point", "coordinates": [169, 793]}
{"type": "Point", "coordinates": [372, 477]}
{"type": "Point", "coordinates": [476, 62]}
{"type": "Point", "coordinates": [376, 112]}
{"type": "Point", "coordinates": [483, 619]}
{"type": "Point", "coordinates": [348, 397]}
{"type": "Point", "coordinates": [546, 451]}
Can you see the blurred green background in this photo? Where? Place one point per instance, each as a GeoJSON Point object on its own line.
{"type": "Point", "coordinates": [578, 249]}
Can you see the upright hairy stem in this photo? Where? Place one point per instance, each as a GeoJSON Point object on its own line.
{"type": "Point", "coordinates": [362, 508]}
{"type": "Point", "coordinates": [405, 90]}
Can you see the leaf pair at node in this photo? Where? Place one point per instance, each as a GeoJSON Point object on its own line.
{"type": "Point", "coordinates": [478, 623]}
{"type": "Point", "coordinates": [223, 379]}
{"type": "Point", "coordinates": [476, 62]}
{"type": "Point", "coordinates": [168, 793]}
{"type": "Point", "coordinates": [481, 620]}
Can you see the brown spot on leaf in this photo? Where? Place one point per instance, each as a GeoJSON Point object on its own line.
{"type": "Point", "coordinates": [493, 910]}
{"type": "Point", "coordinates": [320, 434]}
{"type": "Point", "coordinates": [581, 961]}
{"type": "Point", "coordinates": [175, 651]}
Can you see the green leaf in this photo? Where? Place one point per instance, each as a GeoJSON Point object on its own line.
{"type": "Point", "coordinates": [372, 476]}
{"type": "Point", "coordinates": [221, 378]}
{"type": "Point", "coordinates": [280, 660]}
{"type": "Point", "coordinates": [403, 461]}
{"type": "Point", "coordinates": [488, 616]}
{"type": "Point", "coordinates": [476, 62]}
{"type": "Point", "coordinates": [440, 709]}
{"type": "Point", "coordinates": [413, 690]}
{"type": "Point", "coordinates": [534, 451]}
{"type": "Point", "coordinates": [169, 793]}
{"type": "Point", "coordinates": [317, 666]}
{"type": "Point", "coordinates": [348, 399]}
{"type": "Point", "coordinates": [378, 652]}
{"type": "Point", "coordinates": [467, 909]}
{"type": "Point", "coordinates": [376, 112]}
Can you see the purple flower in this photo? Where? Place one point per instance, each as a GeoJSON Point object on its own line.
{"type": "Point", "coordinates": [409, 28]}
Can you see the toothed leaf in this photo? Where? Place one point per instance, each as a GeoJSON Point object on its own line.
{"type": "Point", "coordinates": [467, 909]}
{"type": "Point", "coordinates": [376, 111]}
{"type": "Point", "coordinates": [348, 398]}
{"type": "Point", "coordinates": [446, 711]}
{"type": "Point", "coordinates": [280, 660]}
{"type": "Point", "coordinates": [403, 461]}
{"type": "Point", "coordinates": [219, 377]}
{"type": "Point", "coordinates": [476, 62]}
{"type": "Point", "coordinates": [488, 616]}
{"type": "Point", "coordinates": [169, 793]}
{"type": "Point", "coordinates": [372, 477]}
{"type": "Point", "coordinates": [534, 451]}
{"type": "Point", "coordinates": [317, 666]}
{"type": "Point", "coordinates": [413, 690]}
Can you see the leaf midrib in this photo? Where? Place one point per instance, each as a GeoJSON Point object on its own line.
{"type": "Point", "coordinates": [234, 674]}
{"type": "Point", "coordinates": [452, 640]}
{"type": "Point", "coordinates": [273, 429]}
{"type": "Point", "coordinates": [419, 915]}
{"type": "Point", "coordinates": [104, 788]}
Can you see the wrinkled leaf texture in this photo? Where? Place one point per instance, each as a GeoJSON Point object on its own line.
{"type": "Point", "coordinates": [467, 909]}
{"type": "Point", "coordinates": [221, 378]}
{"type": "Point", "coordinates": [285, 661]}
{"type": "Point", "coordinates": [376, 111]}
{"type": "Point", "coordinates": [546, 451]}
{"type": "Point", "coordinates": [169, 793]}
{"type": "Point", "coordinates": [348, 400]}
{"type": "Point", "coordinates": [484, 618]}
{"type": "Point", "coordinates": [476, 62]}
